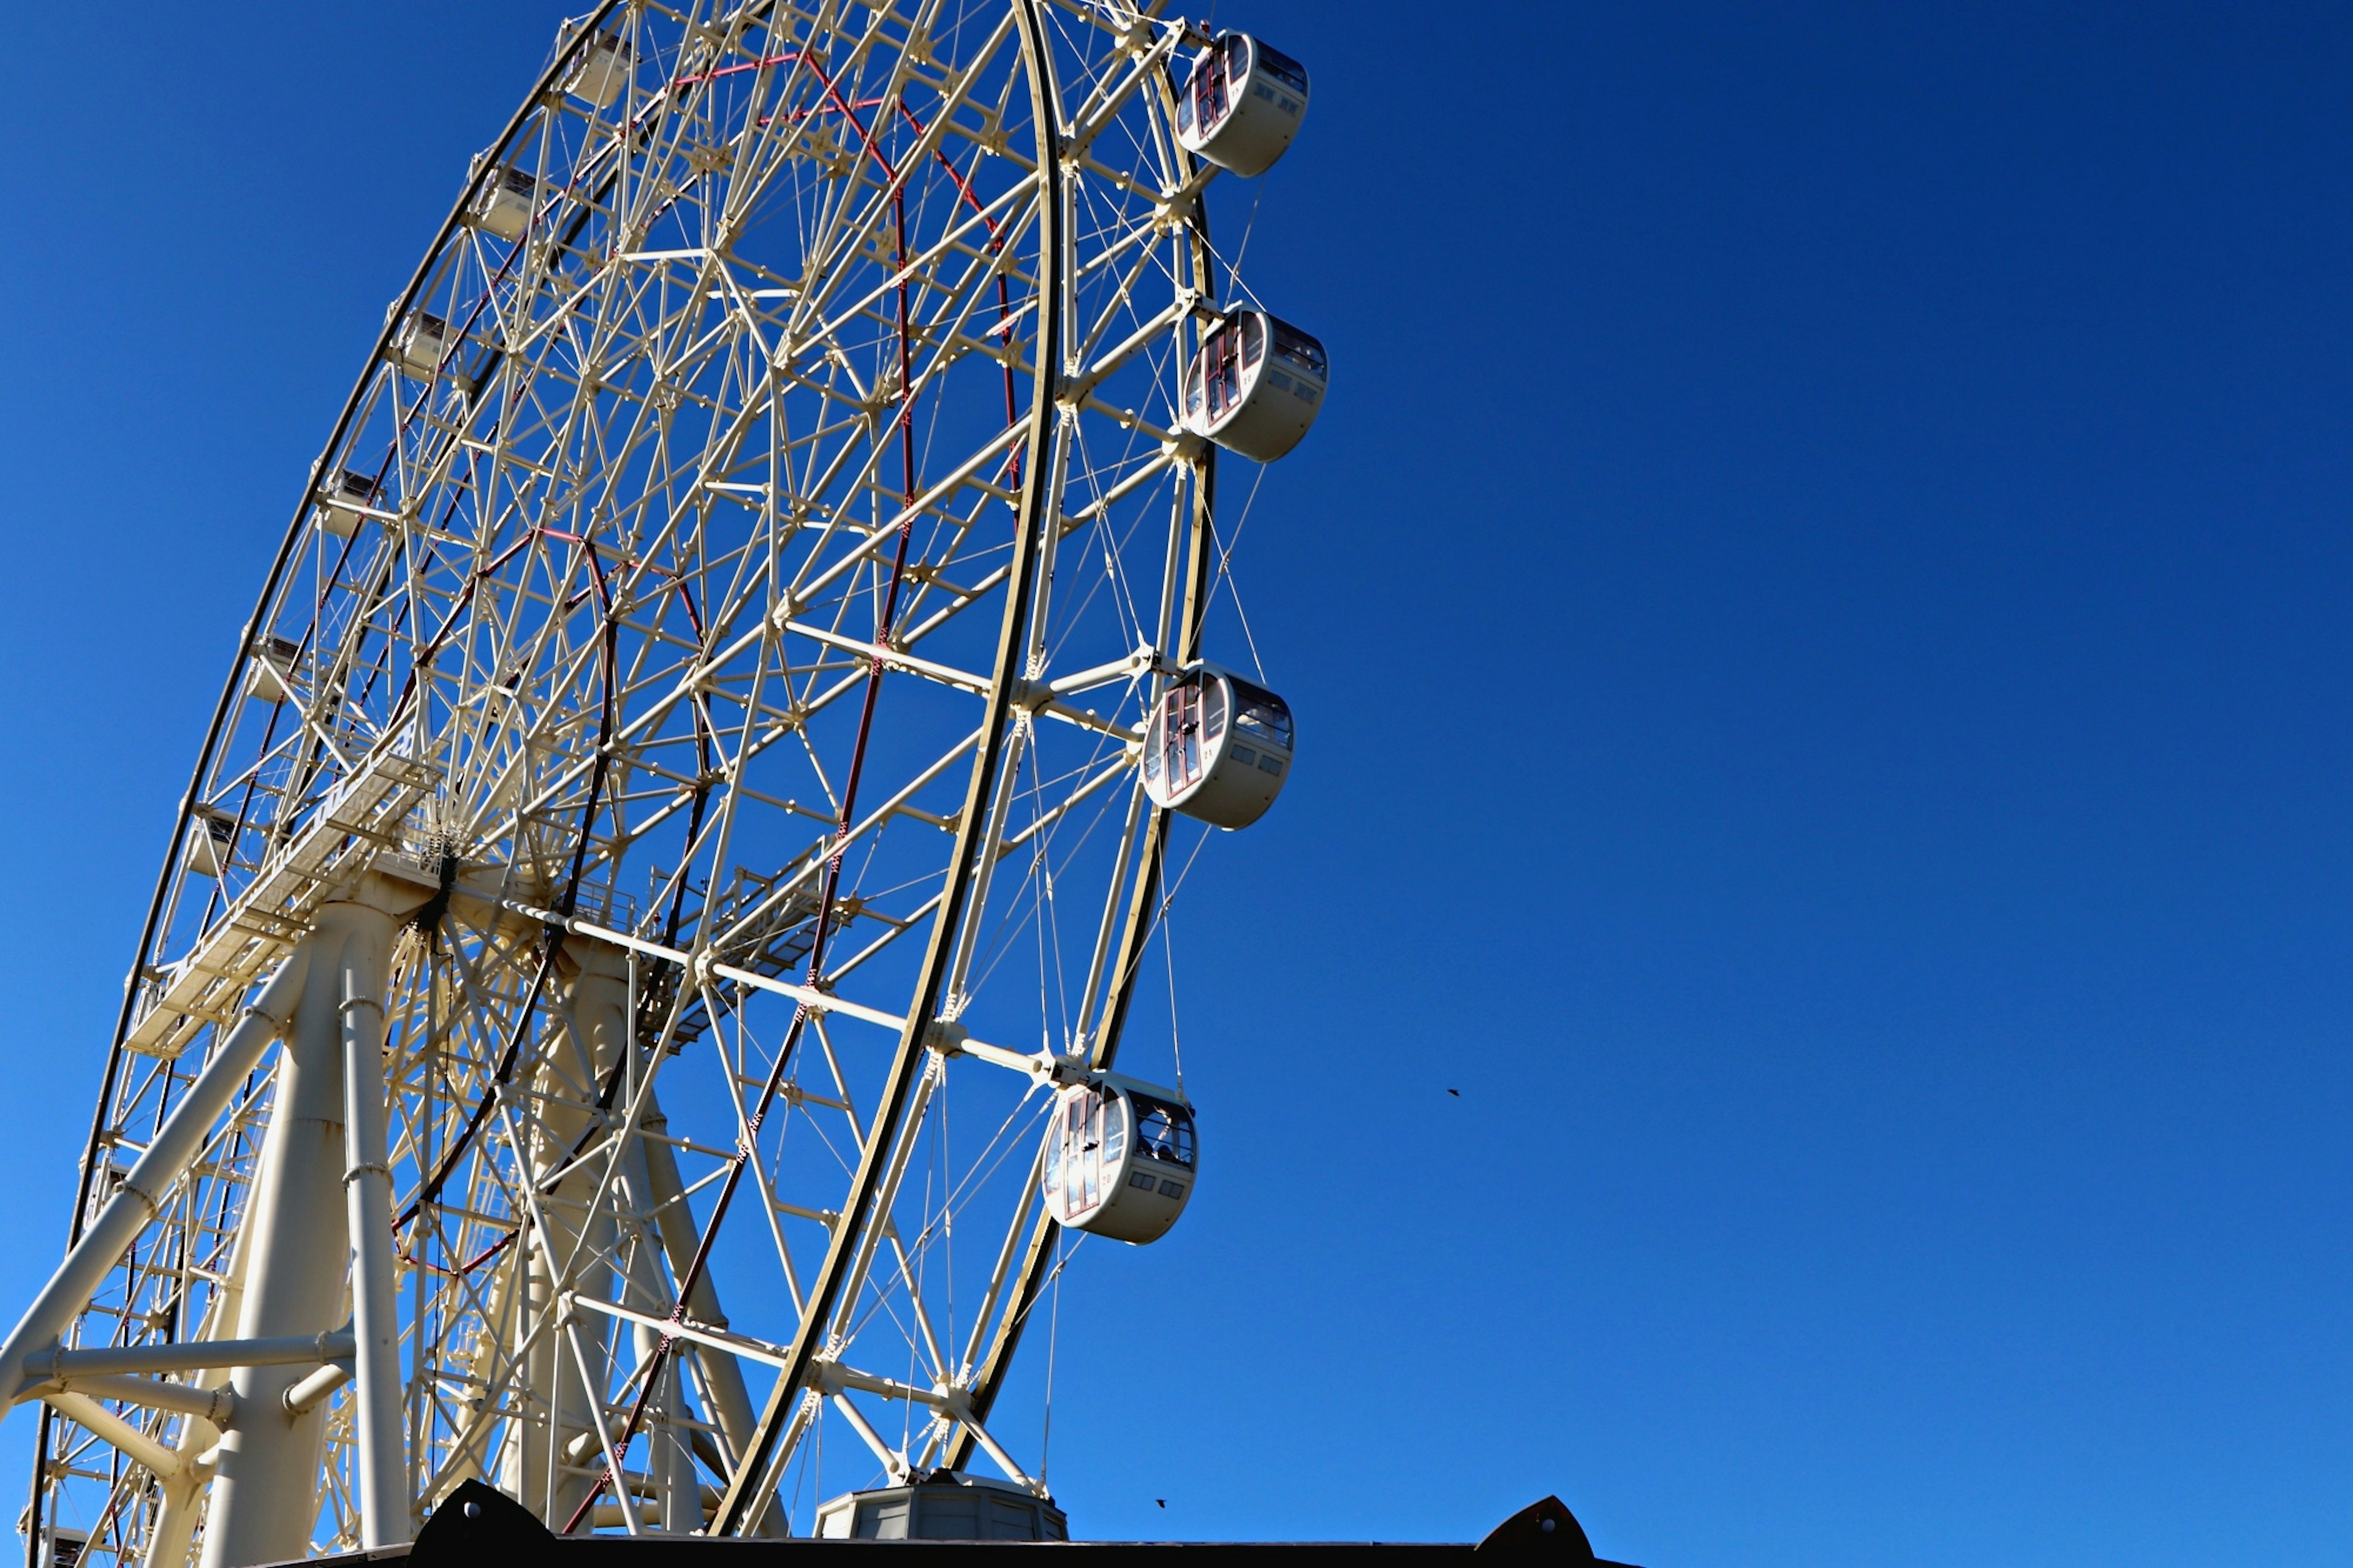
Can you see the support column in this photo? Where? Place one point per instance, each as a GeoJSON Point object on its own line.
{"type": "Point", "coordinates": [298, 1249]}
{"type": "Point", "coordinates": [265, 1490]}
{"type": "Point", "coordinates": [722, 1376]}
{"type": "Point", "coordinates": [175, 1532]}
{"type": "Point", "coordinates": [549, 1469]}
{"type": "Point", "coordinates": [669, 1465]}
{"type": "Point", "coordinates": [380, 1427]}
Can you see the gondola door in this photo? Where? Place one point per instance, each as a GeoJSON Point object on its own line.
{"type": "Point", "coordinates": [1210, 91]}
{"type": "Point", "coordinates": [1081, 1155]}
{"type": "Point", "coordinates": [1184, 738]}
{"type": "Point", "coordinates": [1222, 369]}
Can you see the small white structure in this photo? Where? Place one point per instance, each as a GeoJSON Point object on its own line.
{"type": "Point", "coordinates": [1218, 748]}
{"type": "Point", "coordinates": [1256, 386]}
{"type": "Point", "coordinates": [422, 343]}
{"type": "Point", "coordinates": [212, 841]}
{"type": "Point", "coordinates": [1119, 1158]}
{"type": "Point", "coordinates": [343, 502]}
{"type": "Point", "coordinates": [1242, 104]}
{"type": "Point", "coordinates": [601, 72]}
{"type": "Point", "coordinates": [948, 1505]}
{"type": "Point", "coordinates": [269, 675]}
{"type": "Point", "coordinates": [62, 1545]}
{"type": "Point", "coordinates": [503, 201]}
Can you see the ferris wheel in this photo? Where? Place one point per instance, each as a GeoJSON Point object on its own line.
{"type": "Point", "coordinates": [635, 988]}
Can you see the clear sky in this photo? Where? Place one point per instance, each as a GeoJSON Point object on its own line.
{"type": "Point", "coordinates": [1818, 617]}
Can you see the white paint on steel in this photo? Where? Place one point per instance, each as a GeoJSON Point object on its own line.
{"type": "Point", "coordinates": [785, 422]}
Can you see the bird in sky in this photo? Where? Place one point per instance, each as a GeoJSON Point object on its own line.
{"type": "Point", "coordinates": [1161, 1500]}
{"type": "Point", "coordinates": [1455, 1092]}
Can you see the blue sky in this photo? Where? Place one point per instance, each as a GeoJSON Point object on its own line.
{"type": "Point", "coordinates": [1818, 613]}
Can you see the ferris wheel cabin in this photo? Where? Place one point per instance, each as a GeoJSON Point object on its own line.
{"type": "Point", "coordinates": [1256, 386]}
{"type": "Point", "coordinates": [343, 502]}
{"type": "Point", "coordinates": [1242, 104]}
{"type": "Point", "coordinates": [422, 343]}
{"type": "Point", "coordinates": [62, 1546]}
{"type": "Point", "coordinates": [1120, 1159]}
{"type": "Point", "coordinates": [269, 675]}
{"type": "Point", "coordinates": [503, 203]}
{"type": "Point", "coordinates": [1218, 748]}
{"type": "Point", "coordinates": [602, 70]}
{"type": "Point", "coordinates": [212, 841]}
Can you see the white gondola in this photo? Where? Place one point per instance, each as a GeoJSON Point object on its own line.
{"type": "Point", "coordinates": [1242, 104]}
{"type": "Point", "coordinates": [1119, 1158]}
{"type": "Point", "coordinates": [63, 1546]}
{"type": "Point", "coordinates": [503, 201]}
{"type": "Point", "coordinates": [344, 503]}
{"type": "Point", "coordinates": [422, 343]}
{"type": "Point", "coordinates": [601, 72]}
{"type": "Point", "coordinates": [212, 841]}
{"type": "Point", "coordinates": [1218, 748]}
{"type": "Point", "coordinates": [269, 675]}
{"type": "Point", "coordinates": [1256, 386]}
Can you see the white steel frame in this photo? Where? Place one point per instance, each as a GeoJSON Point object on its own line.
{"type": "Point", "coordinates": [797, 527]}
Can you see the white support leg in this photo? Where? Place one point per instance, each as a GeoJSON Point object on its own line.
{"type": "Point", "coordinates": [264, 1495]}
{"type": "Point", "coordinates": [722, 1376]}
{"type": "Point", "coordinates": [572, 1062]}
{"type": "Point", "coordinates": [174, 1534]}
{"type": "Point", "coordinates": [669, 1467]}
{"type": "Point", "coordinates": [297, 1248]}
{"type": "Point", "coordinates": [167, 1160]}
{"type": "Point", "coordinates": [383, 1466]}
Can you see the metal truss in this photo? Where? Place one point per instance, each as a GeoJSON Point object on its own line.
{"type": "Point", "coordinates": [688, 739]}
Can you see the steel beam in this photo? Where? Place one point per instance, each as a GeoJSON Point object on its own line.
{"type": "Point", "coordinates": [1144, 903]}
{"type": "Point", "coordinates": [141, 1196]}
{"type": "Point", "coordinates": [193, 1355]}
{"type": "Point", "coordinates": [748, 1489]}
{"type": "Point", "coordinates": [382, 1475]}
{"type": "Point", "coordinates": [264, 1490]}
{"type": "Point", "coordinates": [299, 1249]}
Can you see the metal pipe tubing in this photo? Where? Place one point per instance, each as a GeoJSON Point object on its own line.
{"type": "Point", "coordinates": [218, 1406]}
{"type": "Point", "coordinates": [305, 1395]}
{"type": "Point", "coordinates": [168, 1159]}
{"type": "Point", "coordinates": [196, 1355]}
{"type": "Point", "coordinates": [685, 1329]}
{"type": "Point", "coordinates": [984, 874]}
{"type": "Point", "coordinates": [127, 1440]}
{"type": "Point", "coordinates": [383, 1469]}
{"type": "Point", "coordinates": [832, 1377]}
{"type": "Point", "coordinates": [724, 1391]}
{"type": "Point", "coordinates": [263, 1500]}
{"type": "Point", "coordinates": [572, 1245]}
{"type": "Point", "coordinates": [596, 1411]}
{"type": "Point", "coordinates": [668, 1461]}
{"type": "Point", "coordinates": [894, 1464]}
